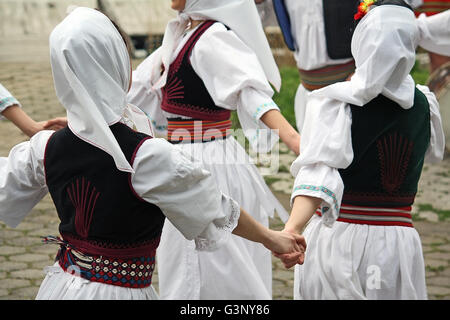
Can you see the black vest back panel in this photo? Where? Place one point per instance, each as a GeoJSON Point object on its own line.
{"type": "Point", "coordinates": [94, 200]}
{"type": "Point", "coordinates": [389, 145]}
{"type": "Point", "coordinates": [339, 24]}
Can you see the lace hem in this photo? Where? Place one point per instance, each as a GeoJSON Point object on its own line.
{"type": "Point", "coordinates": [223, 232]}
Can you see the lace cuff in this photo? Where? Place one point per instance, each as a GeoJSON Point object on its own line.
{"type": "Point", "coordinates": [220, 231]}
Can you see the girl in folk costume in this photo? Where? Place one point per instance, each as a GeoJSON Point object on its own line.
{"type": "Point", "coordinates": [370, 135]}
{"type": "Point", "coordinates": [317, 66]}
{"type": "Point", "coordinates": [10, 108]}
{"type": "Point", "coordinates": [112, 186]}
{"type": "Point", "coordinates": [215, 58]}
{"type": "Point", "coordinates": [321, 34]}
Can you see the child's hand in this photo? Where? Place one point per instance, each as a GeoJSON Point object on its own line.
{"type": "Point", "coordinates": [291, 259]}
{"type": "Point", "coordinates": [289, 247]}
{"type": "Point", "coordinates": [55, 124]}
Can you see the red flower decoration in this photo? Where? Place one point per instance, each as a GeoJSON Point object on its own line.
{"type": "Point", "coordinates": [363, 8]}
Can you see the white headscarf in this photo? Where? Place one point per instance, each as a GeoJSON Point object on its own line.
{"type": "Point", "coordinates": [91, 71]}
{"type": "Point", "coordinates": [384, 47]}
{"type": "Point", "coordinates": [241, 16]}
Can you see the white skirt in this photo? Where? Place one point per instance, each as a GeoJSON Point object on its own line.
{"type": "Point", "coordinates": [240, 269]}
{"type": "Point", "coordinates": [355, 261]}
{"type": "Point", "coordinates": [60, 285]}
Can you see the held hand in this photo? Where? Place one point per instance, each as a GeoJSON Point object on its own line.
{"type": "Point", "coordinates": [56, 124]}
{"type": "Point", "coordinates": [291, 259]}
{"type": "Point", "coordinates": [34, 128]}
{"type": "Point", "coordinates": [290, 247]}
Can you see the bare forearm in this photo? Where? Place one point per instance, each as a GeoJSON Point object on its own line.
{"type": "Point", "coordinates": [275, 241]}
{"type": "Point", "coordinates": [17, 116]}
{"type": "Point", "coordinates": [303, 209]}
{"type": "Point", "coordinates": [250, 229]}
{"type": "Point", "coordinates": [275, 120]}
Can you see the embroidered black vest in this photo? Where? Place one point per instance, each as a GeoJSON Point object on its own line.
{"type": "Point", "coordinates": [389, 145]}
{"type": "Point", "coordinates": [339, 23]}
{"type": "Point", "coordinates": [185, 93]}
{"type": "Point", "coordinates": [99, 210]}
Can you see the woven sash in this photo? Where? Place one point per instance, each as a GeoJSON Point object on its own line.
{"type": "Point", "coordinates": [195, 131]}
{"type": "Point", "coordinates": [129, 272]}
{"type": "Point", "coordinates": [400, 216]}
{"type": "Point", "coordinates": [322, 77]}
{"type": "Point", "coordinates": [431, 7]}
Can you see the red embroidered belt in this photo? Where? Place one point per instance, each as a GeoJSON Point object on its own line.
{"type": "Point", "coordinates": [400, 216]}
{"type": "Point", "coordinates": [194, 131]}
{"type": "Point", "coordinates": [130, 273]}
{"type": "Point", "coordinates": [322, 77]}
{"type": "Point", "coordinates": [432, 7]}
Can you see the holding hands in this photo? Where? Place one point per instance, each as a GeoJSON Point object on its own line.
{"type": "Point", "coordinates": [27, 125]}
{"type": "Point", "coordinates": [55, 124]}
{"type": "Point", "coordinates": [290, 259]}
{"type": "Point", "coordinates": [302, 210]}
{"type": "Point", "coordinates": [289, 247]}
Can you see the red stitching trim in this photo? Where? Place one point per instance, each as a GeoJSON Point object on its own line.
{"type": "Point", "coordinates": [84, 209]}
{"type": "Point", "coordinates": [394, 153]}
{"type": "Point", "coordinates": [175, 66]}
{"type": "Point", "coordinates": [189, 110]}
{"type": "Point", "coordinates": [131, 163]}
{"type": "Point", "coordinates": [371, 222]}
{"type": "Point", "coordinates": [174, 88]}
{"type": "Point", "coordinates": [377, 223]}
{"type": "Point", "coordinates": [45, 157]}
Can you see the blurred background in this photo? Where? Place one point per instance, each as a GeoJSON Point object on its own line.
{"type": "Point", "coordinates": [25, 71]}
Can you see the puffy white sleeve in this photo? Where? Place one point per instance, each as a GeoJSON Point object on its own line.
{"type": "Point", "coordinates": [326, 147]}
{"type": "Point", "coordinates": [435, 32]}
{"type": "Point", "coordinates": [185, 192]}
{"type": "Point", "coordinates": [436, 149]}
{"type": "Point", "coordinates": [22, 179]}
{"type": "Point", "coordinates": [235, 80]}
{"type": "Point", "coordinates": [6, 100]}
{"type": "Point", "coordinates": [145, 98]}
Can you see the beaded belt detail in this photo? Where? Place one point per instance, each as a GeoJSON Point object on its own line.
{"type": "Point", "coordinates": [130, 273]}
{"type": "Point", "coordinates": [194, 131]}
{"type": "Point", "coordinates": [400, 216]}
{"type": "Point", "coordinates": [322, 77]}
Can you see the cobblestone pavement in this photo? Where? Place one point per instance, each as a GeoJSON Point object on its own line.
{"type": "Point", "coordinates": [23, 257]}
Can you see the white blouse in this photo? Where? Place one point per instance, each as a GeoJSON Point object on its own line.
{"type": "Point", "coordinates": [308, 30]}
{"type": "Point", "coordinates": [173, 190]}
{"type": "Point", "coordinates": [327, 147]}
{"type": "Point", "coordinates": [435, 32]}
{"type": "Point", "coordinates": [232, 75]}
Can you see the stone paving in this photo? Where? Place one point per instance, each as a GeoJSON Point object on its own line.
{"type": "Point", "coordinates": [23, 257]}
